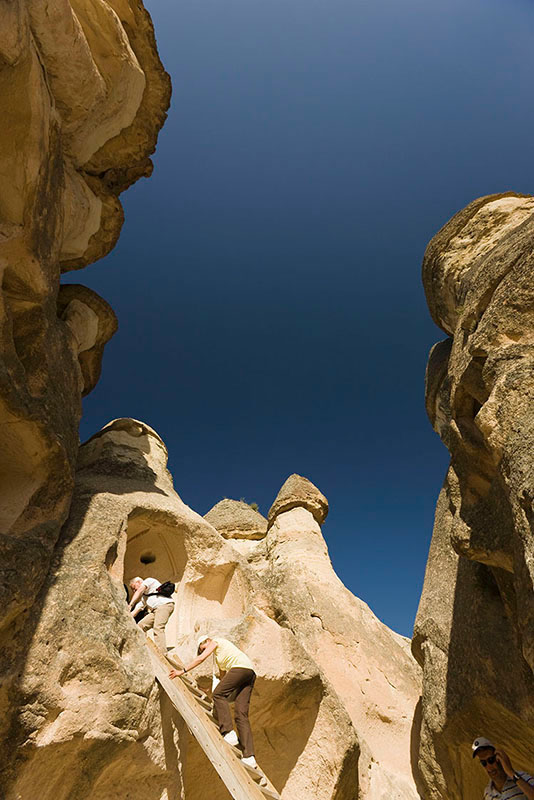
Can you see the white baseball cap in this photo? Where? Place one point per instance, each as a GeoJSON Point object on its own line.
{"type": "Point", "coordinates": [479, 743]}
{"type": "Point", "coordinates": [202, 639]}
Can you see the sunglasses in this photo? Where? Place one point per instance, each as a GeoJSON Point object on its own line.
{"type": "Point", "coordinates": [490, 760]}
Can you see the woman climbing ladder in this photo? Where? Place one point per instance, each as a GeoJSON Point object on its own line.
{"type": "Point", "coordinates": [238, 678]}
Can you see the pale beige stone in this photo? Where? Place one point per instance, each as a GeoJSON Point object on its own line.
{"type": "Point", "coordinates": [82, 98]}
{"type": "Point", "coordinates": [235, 519]}
{"type": "Point", "coordinates": [298, 491]}
{"type": "Point", "coordinates": [336, 690]}
{"type": "Point", "coordinates": [83, 693]}
{"type": "Point", "coordinates": [474, 633]}
{"type": "Point", "coordinates": [368, 665]}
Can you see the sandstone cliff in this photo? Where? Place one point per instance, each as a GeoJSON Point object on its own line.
{"type": "Point", "coordinates": [474, 633]}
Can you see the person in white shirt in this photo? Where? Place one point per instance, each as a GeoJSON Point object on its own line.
{"type": "Point", "coordinates": [159, 608]}
{"type": "Point", "coordinates": [238, 678]}
{"type": "Point", "coordinates": [505, 782]}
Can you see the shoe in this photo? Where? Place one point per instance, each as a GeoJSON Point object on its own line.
{"type": "Point", "coordinates": [250, 761]}
{"type": "Point", "coordinates": [231, 738]}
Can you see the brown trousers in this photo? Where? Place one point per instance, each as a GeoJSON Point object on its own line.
{"type": "Point", "coordinates": [240, 681]}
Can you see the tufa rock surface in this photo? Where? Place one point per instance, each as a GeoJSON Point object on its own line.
{"type": "Point", "coordinates": [369, 667]}
{"type": "Point", "coordinates": [474, 632]}
{"type": "Point", "coordinates": [88, 718]}
{"type": "Point", "coordinates": [82, 97]}
{"type": "Point", "coordinates": [235, 519]}
{"type": "Point", "coordinates": [84, 704]}
{"type": "Point", "coordinates": [299, 492]}
{"type": "Point", "coordinates": [336, 690]}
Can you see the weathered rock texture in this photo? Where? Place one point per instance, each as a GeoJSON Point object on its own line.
{"type": "Point", "coordinates": [336, 690]}
{"type": "Point", "coordinates": [367, 665]}
{"type": "Point", "coordinates": [235, 519]}
{"type": "Point", "coordinates": [474, 632]}
{"type": "Point", "coordinates": [299, 492]}
{"type": "Point", "coordinates": [82, 97]}
{"type": "Point", "coordinates": [89, 720]}
{"type": "Point", "coordinates": [86, 698]}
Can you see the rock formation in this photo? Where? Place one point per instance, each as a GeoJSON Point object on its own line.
{"type": "Point", "coordinates": [86, 694]}
{"type": "Point", "coordinates": [82, 97]}
{"type": "Point", "coordinates": [336, 690]}
{"type": "Point", "coordinates": [367, 665]}
{"type": "Point", "coordinates": [474, 634]}
{"type": "Point", "coordinates": [235, 519]}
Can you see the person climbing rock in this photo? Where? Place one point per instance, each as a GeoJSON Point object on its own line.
{"type": "Point", "coordinates": [237, 681]}
{"type": "Point", "coordinates": [505, 782]}
{"type": "Point", "coordinates": [154, 597]}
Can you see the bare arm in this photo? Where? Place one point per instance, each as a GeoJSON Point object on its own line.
{"type": "Point", "coordinates": [136, 596]}
{"type": "Point", "coordinates": [175, 673]}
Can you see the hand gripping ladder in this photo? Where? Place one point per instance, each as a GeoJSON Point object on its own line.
{"type": "Point", "coordinates": [194, 706]}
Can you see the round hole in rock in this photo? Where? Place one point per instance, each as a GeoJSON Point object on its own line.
{"type": "Point", "coordinates": [148, 557]}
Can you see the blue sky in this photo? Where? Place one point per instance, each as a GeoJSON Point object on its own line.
{"type": "Point", "coordinates": [267, 279]}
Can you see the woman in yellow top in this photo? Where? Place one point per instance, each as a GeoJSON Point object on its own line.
{"type": "Point", "coordinates": [238, 677]}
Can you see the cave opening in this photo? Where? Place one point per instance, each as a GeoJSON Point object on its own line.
{"type": "Point", "coordinates": [153, 547]}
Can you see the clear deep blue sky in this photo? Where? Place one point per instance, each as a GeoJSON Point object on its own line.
{"type": "Point", "coordinates": [267, 279]}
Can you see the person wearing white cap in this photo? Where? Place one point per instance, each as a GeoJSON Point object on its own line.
{"type": "Point", "coordinates": [238, 678]}
{"type": "Point", "coordinates": [505, 782]}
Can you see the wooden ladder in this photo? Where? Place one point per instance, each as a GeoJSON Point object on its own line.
{"type": "Point", "coordinates": [195, 708]}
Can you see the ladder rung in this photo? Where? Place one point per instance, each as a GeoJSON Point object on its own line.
{"type": "Point", "coordinates": [197, 692]}
{"type": "Point", "coordinates": [190, 685]}
{"type": "Point", "coordinates": [254, 773]}
{"type": "Point", "coordinates": [268, 793]}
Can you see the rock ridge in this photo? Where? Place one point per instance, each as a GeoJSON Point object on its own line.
{"type": "Point", "coordinates": [477, 600]}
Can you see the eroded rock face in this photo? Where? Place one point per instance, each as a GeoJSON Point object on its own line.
{"type": "Point", "coordinates": [85, 95]}
{"type": "Point", "coordinates": [474, 632]}
{"type": "Point", "coordinates": [367, 666]}
{"type": "Point", "coordinates": [85, 696]}
{"type": "Point", "coordinates": [235, 519]}
{"type": "Point", "coordinates": [336, 690]}
{"type": "Point", "coordinates": [88, 717]}
{"type": "Point", "coordinates": [82, 97]}
{"type": "Point", "coordinates": [299, 492]}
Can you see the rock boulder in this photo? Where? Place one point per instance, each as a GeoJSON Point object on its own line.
{"type": "Point", "coordinates": [235, 519]}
